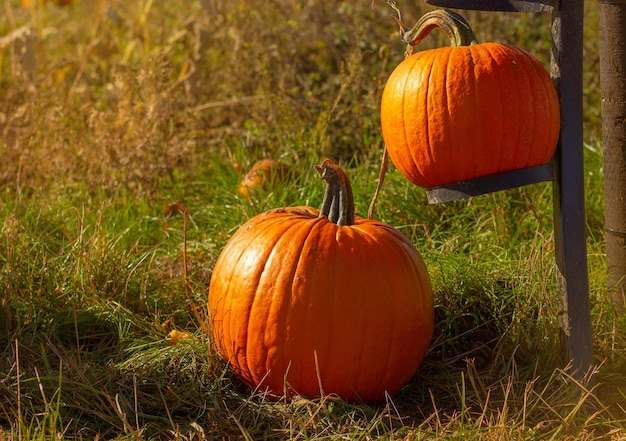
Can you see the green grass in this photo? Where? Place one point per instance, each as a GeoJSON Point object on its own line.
{"type": "Point", "coordinates": [111, 128]}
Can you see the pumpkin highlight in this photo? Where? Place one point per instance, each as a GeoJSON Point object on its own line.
{"type": "Point", "coordinates": [466, 111]}
{"type": "Point", "coordinates": [315, 302]}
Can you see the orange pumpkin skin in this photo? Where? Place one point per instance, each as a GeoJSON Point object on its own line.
{"type": "Point", "coordinates": [456, 113]}
{"type": "Point", "coordinates": [301, 305]}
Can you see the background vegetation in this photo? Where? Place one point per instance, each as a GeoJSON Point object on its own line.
{"type": "Point", "coordinates": [112, 111]}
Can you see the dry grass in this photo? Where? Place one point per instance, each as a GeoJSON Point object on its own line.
{"type": "Point", "coordinates": [131, 91]}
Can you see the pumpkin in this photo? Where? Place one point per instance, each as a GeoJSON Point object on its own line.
{"type": "Point", "coordinates": [469, 110]}
{"type": "Point", "coordinates": [262, 175]}
{"type": "Point", "coordinates": [314, 302]}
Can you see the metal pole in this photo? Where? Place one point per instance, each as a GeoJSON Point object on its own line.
{"type": "Point", "coordinates": [613, 85]}
{"type": "Point", "coordinates": [569, 204]}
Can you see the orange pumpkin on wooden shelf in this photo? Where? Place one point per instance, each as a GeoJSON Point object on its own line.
{"type": "Point", "coordinates": [313, 302]}
{"type": "Point", "coordinates": [466, 111]}
{"type": "Point", "coordinates": [263, 174]}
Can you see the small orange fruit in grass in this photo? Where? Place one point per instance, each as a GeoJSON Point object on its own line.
{"type": "Point", "coordinates": [175, 336]}
{"type": "Point", "coordinates": [263, 175]}
{"type": "Point", "coordinates": [28, 3]}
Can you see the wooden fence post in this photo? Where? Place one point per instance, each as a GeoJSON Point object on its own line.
{"type": "Point", "coordinates": [613, 85]}
{"type": "Point", "coordinates": [566, 170]}
{"type": "Point", "coordinates": [569, 192]}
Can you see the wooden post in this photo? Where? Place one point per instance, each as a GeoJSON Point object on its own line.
{"type": "Point", "coordinates": [613, 84]}
{"type": "Point", "coordinates": [567, 175]}
{"type": "Point", "coordinates": [569, 191]}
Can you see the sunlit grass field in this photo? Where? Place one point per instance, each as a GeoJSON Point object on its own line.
{"type": "Point", "coordinates": [112, 113]}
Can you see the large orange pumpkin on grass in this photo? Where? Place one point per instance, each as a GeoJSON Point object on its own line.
{"type": "Point", "coordinates": [311, 302]}
{"type": "Point", "coordinates": [455, 113]}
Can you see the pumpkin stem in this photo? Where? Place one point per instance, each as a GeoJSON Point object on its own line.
{"type": "Point", "coordinates": [381, 180]}
{"type": "Point", "coordinates": [458, 29]}
{"type": "Point", "coordinates": [338, 203]}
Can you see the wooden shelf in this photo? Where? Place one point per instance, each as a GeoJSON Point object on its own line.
{"type": "Point", "coordinates": [496, 5]}
{"type": "Point", "coordinates": [566, 171]}
{"type": "Point", "coordinates": [490, 184]}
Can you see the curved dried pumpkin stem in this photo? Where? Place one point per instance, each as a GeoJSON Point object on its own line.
{"type": "Point", "coordinates": [338, 203]}
{"type": "Point", "coordinates": [379, 185]}
{"type": "Point", "coordinates": [454, 25]}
